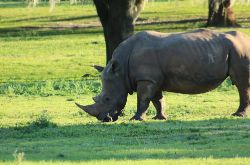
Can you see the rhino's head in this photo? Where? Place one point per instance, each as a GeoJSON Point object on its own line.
{"type": "Point", "coordinates": [109, 103]}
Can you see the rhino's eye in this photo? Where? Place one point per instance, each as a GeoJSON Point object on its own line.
{"type": "Point", "coordinates": [107, 99]}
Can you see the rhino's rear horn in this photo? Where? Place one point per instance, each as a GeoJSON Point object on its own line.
{"type": "Point", "coordinates": [98, 68]}
{"type": "Point", "coordinates": [96, 99]}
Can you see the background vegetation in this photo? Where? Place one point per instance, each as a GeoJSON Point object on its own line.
{"type": "Point", "coordinates": [45, 66]}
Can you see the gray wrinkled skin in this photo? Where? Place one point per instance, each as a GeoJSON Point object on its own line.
{"type": "Point", "coordinates": [189, 63]}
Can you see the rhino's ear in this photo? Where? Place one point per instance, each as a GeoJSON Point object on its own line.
{"type": "Point", "coordinates": [113, 66]}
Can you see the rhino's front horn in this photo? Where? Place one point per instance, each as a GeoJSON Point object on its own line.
{"type": "Point", "coordinates": [89, 109]}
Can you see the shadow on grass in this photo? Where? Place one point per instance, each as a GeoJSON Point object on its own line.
{"type": "Point", "coordinates": [33, 31]}
{"type": "Point", "coordinates": [44, 31]}
{"type": "Point", "coordinates": [173, 21]}
{"type": "Point", "coordinates": [53, 18]}
{"type": "Point", "coordinates": [217, 138]}
{"type": "Point", "coordinates": [74, 18]}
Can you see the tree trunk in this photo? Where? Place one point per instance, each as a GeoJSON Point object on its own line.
{"type": "Point", "coordinates": [221, 13]}
{"type": "Point", "coordinates": [117, 18]}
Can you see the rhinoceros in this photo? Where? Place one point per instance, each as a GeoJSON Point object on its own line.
{"type": "Point", "coordinates": [189, 63]}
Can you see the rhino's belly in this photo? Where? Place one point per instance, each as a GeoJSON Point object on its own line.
{"type": "Point", "coordinates": [191, 87]}
{"type": "Point", "coordinates": [195, 82]}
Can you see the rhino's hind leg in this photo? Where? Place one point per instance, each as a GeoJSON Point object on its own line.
{"type": "Point", "coordinates": [145, 92]}
{"type": "Point", "coordinates": [240, 77]}
{"type": "Point", "coordinates": [244, 93]}
{"type": "Point", "coordinates": [158, 102]}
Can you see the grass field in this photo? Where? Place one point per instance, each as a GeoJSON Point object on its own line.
{"type": "Point", "coordinates": [45, 66]}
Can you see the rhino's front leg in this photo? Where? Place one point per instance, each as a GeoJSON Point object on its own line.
{"type": "Point", "coordinates": [145, 92]}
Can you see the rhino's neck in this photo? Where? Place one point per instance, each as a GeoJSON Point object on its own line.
{"type": "Point", "coordinates": [122, 54]}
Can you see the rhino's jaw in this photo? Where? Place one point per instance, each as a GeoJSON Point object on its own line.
{"type": "Point", "coordinates": [104, 116]}
{"type": "Point", "coordinates": [109, 116]}
{"type": "Point", "coordinates": [116, 115]}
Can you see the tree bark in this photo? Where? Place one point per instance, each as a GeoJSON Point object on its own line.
{"type": "Point", "coordinates": [221, 13]}
{"type": "Point", "coordinates": [117, 18]}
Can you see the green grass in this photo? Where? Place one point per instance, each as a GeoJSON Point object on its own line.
{"type": "Point", "coordinates": [45, 66]}
{"type": "Point", "coordinates": [196, 128]}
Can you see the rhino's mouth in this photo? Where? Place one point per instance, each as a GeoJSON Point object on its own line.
{"type": "Point", "coordinates": [110, 116]}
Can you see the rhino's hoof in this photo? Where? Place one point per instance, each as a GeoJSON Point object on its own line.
{"type": "Point", "coordinates": [160, 117]}
{"type": "Point", "coordinates": [137, 118]}
{"type": "Point", "coordinates": [240, 114]}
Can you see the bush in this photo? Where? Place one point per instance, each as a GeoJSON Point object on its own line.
{"type": "Point", "coordinates": [51, 87]}
{"type": "Point", "coordinates": [42, 121]}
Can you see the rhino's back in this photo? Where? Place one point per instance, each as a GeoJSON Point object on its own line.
{"type": "Point", "coordinates": [192, 62]}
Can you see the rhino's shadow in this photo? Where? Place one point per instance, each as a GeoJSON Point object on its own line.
{"type": "Point", "coordinates": [217, 138]}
